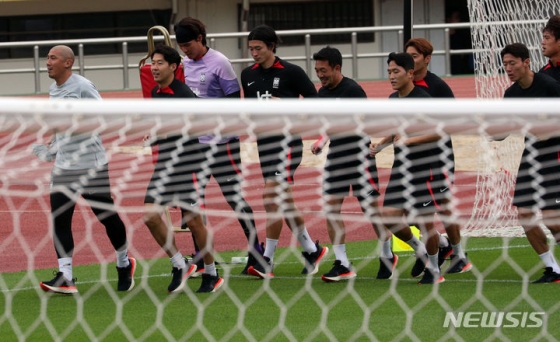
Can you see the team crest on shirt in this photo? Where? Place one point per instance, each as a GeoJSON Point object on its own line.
{"type": "Point", "coordinates": [202, 78]}
{"type": "Point", "coordinates": [276, 83]}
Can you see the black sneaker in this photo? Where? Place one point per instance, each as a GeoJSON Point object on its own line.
{"type": "Point", "coordinates": [261, 270]}
{"type": "Point", "coordinates": [179, 277]}
{"type": "Point", "coordinates": [59, 284]}
{"type": "Point", "coordinates": [210, 283]}
{"type": "Point", "coordinates": [254, 255]}
{"type": "Point", "coordinates": [312, 260]}
{"type": "Point", "coordinates": [387, 267]}
{"type": "Point", "coordinates": [459, 265]}
{"type": "Point", "coordinates": [431, 277]}
{"type": "Point", "coordinates": [338, 273]}
{"type": "Point", "coordinates": [549, 276]}
{"type": "Point", "coordinates": [419, 266]}
{"type": "Point", "coordinates": [444, 253]}
{"type": "Point", "coordinates": [126, 276]}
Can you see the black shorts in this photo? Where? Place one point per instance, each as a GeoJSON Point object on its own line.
{"type": "Point", "coordinates": [350, 166]}
{"type": "Point", "coordinates": [538, 178]}
{"type": "Point", "coordinates": [417, 180]}
{"type": "Point", "coordinates": [176, 174]}
{"type": "Point", "coordinates": [279, 157]}
{"type": "Point", "coordinates": [222, 160]}
{"type": "Point", "coordinates": [89, 181]}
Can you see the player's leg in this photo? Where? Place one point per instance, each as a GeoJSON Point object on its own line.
{"type": "Point", "coordinates": [62, 210]}
{"type": "Point", "coordinates": [396, 199]}
{"type": "Point", "coordinates": [312, 251]}
{"type": "Point", "coordinates": [543, 182]}
{"type": "Point", "coordinates": [211, 281]}
{"type": "Point", "coordinates": [166, 240]}
{"type": "Point", "coordinates": [537, 238]}
{"type": "Point", "coordinates": [393, 220]}
{"type": "Point", "coordinates": [387, 259]}
{"type": "Point", "coordinates": [98, 194]}
{"type": "Point", "coordinates": [432, 273]}
{"type": "Point", "coordinates": [226, 169]}
{"type": "Point", "coordinates": [342, 269]}
{"type": "Point", "coordinates": [164, 191]}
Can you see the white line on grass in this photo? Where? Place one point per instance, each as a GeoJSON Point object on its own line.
{"type": "Point", "coordinates": [230, 266]}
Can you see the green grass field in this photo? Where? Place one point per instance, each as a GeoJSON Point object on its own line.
{"type": "Point", "coordinates": [290, 306]}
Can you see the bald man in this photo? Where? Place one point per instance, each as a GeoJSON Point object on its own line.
{"type": "Point", "coordinates": [80, 169]}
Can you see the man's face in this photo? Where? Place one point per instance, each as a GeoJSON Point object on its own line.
{"type": "Point", "coordinates": [193, 49]}
{"type": "Point", "coordinates": [259, 51]}
{"type": "Point", "coordinates": [398, 77]}
{"type": "Point", "coordinates": [420, 61]}
{"type": "Point", "coordinates": [326, 73]}
{"type": "Point", "coordinates": [162, 71]}
{"type": "Point", "coordinates": [550, 46]}
{"type": "Point", "coordinates": [57, 64]}
{"type": "Point", "coordinates": [515, 67]}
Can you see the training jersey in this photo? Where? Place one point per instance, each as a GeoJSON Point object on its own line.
{"type": "Point", "coordinates": [282, 79]}
{"type": "Point", "coordinates": [552, 70]}
{"type": "Point", "coordinates": [347, 88]}
{"type": "Point", "coordinates": [434, 86]}
{"type": "Point", "coordinates": [77, 151]}
{"type": "Point", "coordinates": [542, 86]}
{"type": "Point", "coordinates": [416, 92]}
{"type": "Point", "coordinates": [176, 90]}
{"type": "Point", "coordinates": [211, 76]}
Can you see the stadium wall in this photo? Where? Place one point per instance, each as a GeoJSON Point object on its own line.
{"type": "Point", "coordinates": [219, 16]}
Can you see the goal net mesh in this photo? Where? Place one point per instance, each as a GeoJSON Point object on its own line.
{"type": "Point", "coordinates": [494, 24]}
{"type": "Point", "coordinates": [493, 297]}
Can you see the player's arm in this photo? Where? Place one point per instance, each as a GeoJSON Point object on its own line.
{"type": "Point", "coordinates": [422, 139]}
{"type": "Point", "coordinates": [378, 147]}
{"type": "Point", "coordinates": [46, 151]}
{"type": "Point", "coordinates": [303, 84]}
{"type": "Point", "coordinates": [228, 80]}
{"type": "Point", "coordinates": [243, 80]}
{"type": "Point", "coordinates": [317, 146]}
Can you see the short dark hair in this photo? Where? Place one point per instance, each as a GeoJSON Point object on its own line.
{"type": "Point", "coordinates": [402, 59]}
{"type": "Point", "coordinates": [329, 54]}
{"type": "Point", "coordinates": [517, 50]}
{"type": "Point", "coordinates": [553, 26]}
{"type": "Point", "coordinates": [170, 55]}
{"type": "Point", "coordinates": [265, 34]}
{"type": "Point", "coordinates": [191, 27]}
{"type": "Point", "coordinates": [422, 45]}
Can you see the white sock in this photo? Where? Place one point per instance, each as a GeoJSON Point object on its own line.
{"type": "Point", "coordinates": [458, 251]}
{"type": "Point", "coordinates": [65, 266]}
{"type": "Point", "coordinates": [417, 245]}
{"type": "Point", "coordinates": [549, 261]}
{"type": "Point", "coordinates": [443, 242]}
{"type": "Point", "coordinates": [178, 261]}
{"type": "Point", "coordinates": [122, 258]}
{"type": "Point", "coordinates": [270, 248]}
{"type": "Point", "coordinates": [305, 241]}
{"type": "Point", "coordinates": [433, 262]}
{"type": "Point", "coordinates": [340, 254]}
{"type": "Point", "coordinates": [210, 269]}
{"type": "Point", "coordinates": [386, 250]}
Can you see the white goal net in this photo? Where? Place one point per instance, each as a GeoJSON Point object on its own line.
{"type": "Point", "coordinates": [494, 298]}
{"type": "Point", "coordinates": [494, 24]}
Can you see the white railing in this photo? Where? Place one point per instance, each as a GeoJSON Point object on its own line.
{"type": "Point", "coordinates": [125, 65]}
